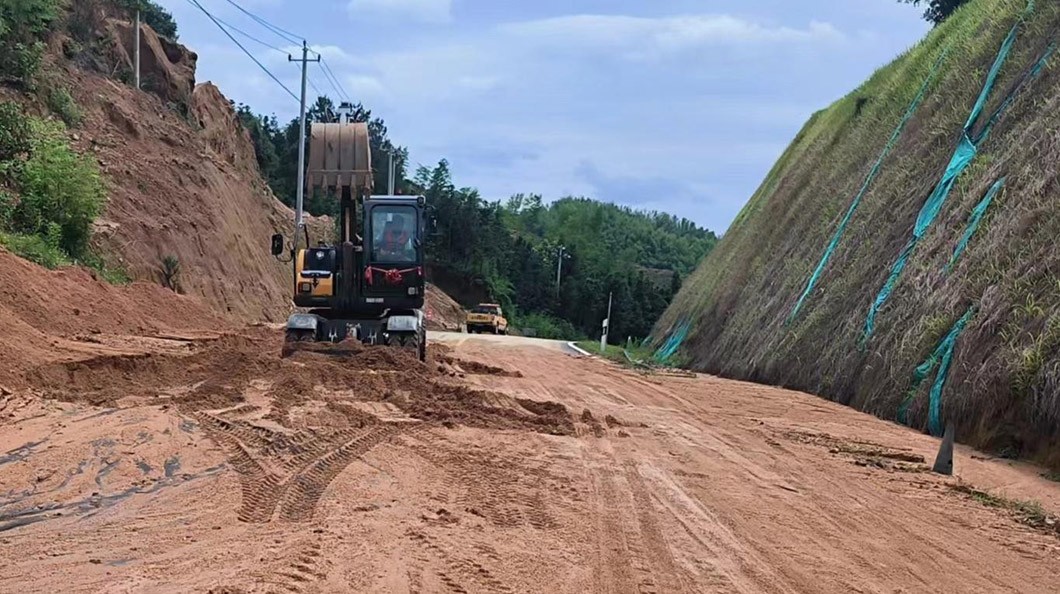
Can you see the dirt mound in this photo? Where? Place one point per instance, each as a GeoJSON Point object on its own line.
{"type": "Point", "coordinates": [65, 314]}
{"type": "Point", "coordinates": [246, 369]}
{"type": "Point", "coordinates": [167, 69]}
{"type": "Point", "coordinates": [477, 368]}
{"type": "Point", "coordinates": [442, 311]}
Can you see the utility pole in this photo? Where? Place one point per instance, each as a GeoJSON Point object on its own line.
{"type": "Point", "coordinates": [136, 52]}
{"type": "Point", "coordinates": [560, 256]}
{"type": "Point", "coordinates": [391, 173]}
{"type": "Point", "coordinates": [607, 324]}
{"type": "Point", "coordinates": [299, 221]}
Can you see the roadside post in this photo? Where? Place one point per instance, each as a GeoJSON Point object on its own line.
{"type": "Point", "coordinates": [607, 323]}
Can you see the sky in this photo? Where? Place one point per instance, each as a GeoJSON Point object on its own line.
{"type": "Point", "coordinates": [680, 106]}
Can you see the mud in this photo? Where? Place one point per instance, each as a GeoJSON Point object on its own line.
{"type": "Point", "coordinates": [223, 467]}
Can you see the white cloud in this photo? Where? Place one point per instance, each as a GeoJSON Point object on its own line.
{"type": "Point", "coordinates": [362, 87]}
{"type": "Point", "coordinates": [430, 11]}
{"type": "Point", "coordinates": [640, 36]}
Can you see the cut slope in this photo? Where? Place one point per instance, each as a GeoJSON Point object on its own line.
{"type": "Point", "coordinates": [1003, 386]}
{"type": "Point", "coordinates": [181, 173]}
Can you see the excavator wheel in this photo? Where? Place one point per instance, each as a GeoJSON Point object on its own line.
{"type": "Point", "coordinates": [293, 336]}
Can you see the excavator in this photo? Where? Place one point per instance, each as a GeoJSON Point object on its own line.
{"type": "Point", "coordinates": [369, 285]}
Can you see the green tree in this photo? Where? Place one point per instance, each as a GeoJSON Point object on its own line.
{"type": "Point", "coordinates": [154, 16]}
{"type": "Point", "coordinates": [937, 10]}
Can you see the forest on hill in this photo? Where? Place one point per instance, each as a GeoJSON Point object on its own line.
{"type": "Point", "coordinates": [514, 251]}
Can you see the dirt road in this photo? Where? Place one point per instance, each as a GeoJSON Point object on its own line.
{"type": "Point", "coordinates": [506, 465]}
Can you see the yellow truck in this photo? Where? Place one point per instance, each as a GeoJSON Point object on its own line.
{"type": "Point", "coordinates": [486, 317]}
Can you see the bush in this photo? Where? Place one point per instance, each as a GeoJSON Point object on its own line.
{"type": "Point", "coordinates": [15, 132]}
{"type": "Point", "coordinates": [169, 274]}
{"type": "Point", "coordinates": [35, 248]}
{"type": "Point", "coordinates": [23, 61]}
{"type": "Point", "coordinates": [62, 192]}
{"type": "Point", "coordinates": [63, 105]}
{"type": "Point", "coordinates": [154, 16]}
{"type": "Point", "coordinates": [544, 326]}
{"type": "Point", "coordinates": [23, 26]}
{"type": "Point", "coordinates": [110, 274]}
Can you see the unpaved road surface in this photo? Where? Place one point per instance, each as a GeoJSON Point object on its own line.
{"type": "Point", "coordinates": [504, 465]}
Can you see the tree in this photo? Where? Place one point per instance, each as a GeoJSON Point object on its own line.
{"type": "Point", "coordinates": [156, 17]}
{"type": "Point", "coordinates": [937, 10]}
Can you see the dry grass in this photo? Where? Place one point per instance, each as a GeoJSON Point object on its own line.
{"type": "Point", "coordinates": [1004, 385]}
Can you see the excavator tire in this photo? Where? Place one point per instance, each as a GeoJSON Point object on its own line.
{"type": "Point", "coordinates": [291, 337]}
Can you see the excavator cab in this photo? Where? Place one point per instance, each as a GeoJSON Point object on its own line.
{"type": "Point", "coordinates": [368, 285]}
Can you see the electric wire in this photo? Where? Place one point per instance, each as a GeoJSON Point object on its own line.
{"type": "Point", "coordinates": [245, 51]}
{"type": "Point", "coordinates": [287, 35]}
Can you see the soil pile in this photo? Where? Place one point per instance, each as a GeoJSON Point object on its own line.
{"type": "Point", "coordinates": [246, 370]}
{"type": "Point", "coordinates": [442, 311]}
{"type": "Point", "coordinates": [54, 315]}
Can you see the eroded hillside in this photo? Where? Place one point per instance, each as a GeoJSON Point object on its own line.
{"type": "Point", "coordinates": [996, 299]}
{"type": "Point", "coordinates": [181, 176]}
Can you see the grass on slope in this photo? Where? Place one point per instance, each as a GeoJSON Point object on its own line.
{"type": "Point", "coordinates": [1004, 387]}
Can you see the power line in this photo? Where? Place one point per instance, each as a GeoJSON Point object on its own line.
{"type": "Point", "coordinates": [251, 37]}
{"type": "Point", "coordinates": [315, 87]}
{"type": "Point", "coordinates": [287, 35]}
{"type": "Point", "coordinates": [240, 45]}
{"type": "Point", "coordinates": [330, 76]}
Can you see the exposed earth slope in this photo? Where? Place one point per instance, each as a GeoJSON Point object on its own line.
{"type": "Point", "coordinates": [1003, 385]}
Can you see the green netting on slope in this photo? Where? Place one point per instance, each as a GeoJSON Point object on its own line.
{"type": "Point", "coordinates": [940, 357]}
{"type": "Point", "coordinates": [974, 220]}
{"type": "Point", "coordinates": [834, 243]}
{"type": "Point", "coordinates": [672, 342]}
{"type": "Point", "coordinates": [966, 150]}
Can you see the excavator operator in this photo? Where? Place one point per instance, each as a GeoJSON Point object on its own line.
{"type": "Point", "coordinates": [396, 244]}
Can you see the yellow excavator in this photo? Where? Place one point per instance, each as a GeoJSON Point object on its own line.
{"type": "Point", "coordinates": [369, 285]}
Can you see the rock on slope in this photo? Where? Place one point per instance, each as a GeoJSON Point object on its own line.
{"type": "Point", "coordinates": [1003, 386]}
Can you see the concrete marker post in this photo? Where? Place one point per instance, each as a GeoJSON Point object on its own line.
{"type": "Point", "coordinates": [944, 459]}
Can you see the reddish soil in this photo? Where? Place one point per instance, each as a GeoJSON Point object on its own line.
{"type": "Point", "coordinates": [223, 467]}
{"type": "Point", "coordinates": [443, 313]}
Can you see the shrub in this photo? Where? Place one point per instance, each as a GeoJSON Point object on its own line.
{"type": "Point", "coordinates": [7, 206]}
{"type": "Point", "coordinates": [63, 105]}
{"type": "Point", "coordinates": [154, 16]}
{"type": "Point", "coordinates": [62, 192]}
{"type": "Point", "coordinates": [545, 326]}
{"type": "Point", "coordinates": [35, 248]}
{"type": "Point", "coordinates": [15, 132]}
{"type": "Point", "coordinates": [169, 274]}
{"type": "Point", "coordinates": [23, 25]}
{"type": "Point", "coordinates": [110, 274]}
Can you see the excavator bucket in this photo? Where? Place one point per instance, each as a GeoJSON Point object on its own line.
{"type": "Point", "coordinates": [340, 156]}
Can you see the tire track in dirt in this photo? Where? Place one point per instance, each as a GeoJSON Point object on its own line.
{"type": "Point", "coordinates": [505, 493]}
{"type": "Point", "coordinates": [303, 490]}
{"type": "Point", "coordinates": [458, 574]}
{"type": "Point", "coordinates": [310, 460]}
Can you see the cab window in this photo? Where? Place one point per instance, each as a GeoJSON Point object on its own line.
{"type": "Point", "coordinates": [393, 233]}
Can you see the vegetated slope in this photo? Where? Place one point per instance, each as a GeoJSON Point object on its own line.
{"type": "Point", "coordinates": [1003, 387]}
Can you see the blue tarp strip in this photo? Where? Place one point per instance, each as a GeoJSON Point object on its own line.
{"type": "Point", "coordinates": [673, 342]}
{"type": "Point", "coordinates": [941, 358]}
{"type": "Point", "coordinates": [834, 243]}
{"type": "Point", "coordinates": [974, 220]}
{"type": "Point", "coordinates": [965, 152]}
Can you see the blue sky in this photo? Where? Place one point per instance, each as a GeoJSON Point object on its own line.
{"type": "Point", "coordinates": [678, 105]}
